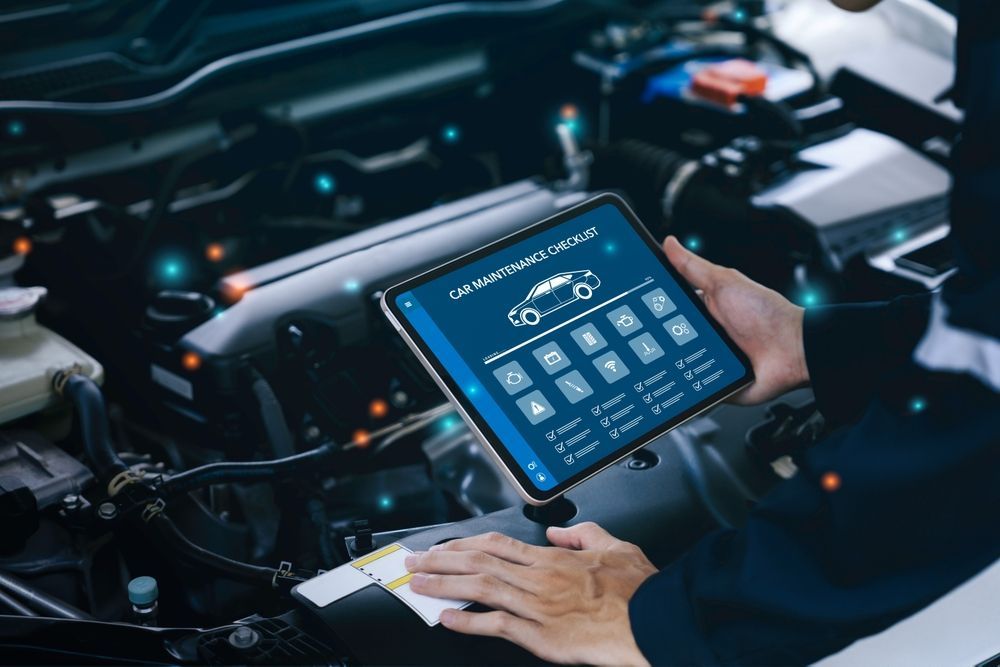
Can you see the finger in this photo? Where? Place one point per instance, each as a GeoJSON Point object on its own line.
{"type": "Point", "coordinates": [587, 535]}
{"type": "Point", "coordinates": [495, 544]}
{"type": "Point", "coordinates": [467, 562]}
{"type": "Point", "coordinates": [481, 588]}
{"type": "Point", "coordinates": [490, 624]}
{"type": "Point", "coordinates": [698, 271]}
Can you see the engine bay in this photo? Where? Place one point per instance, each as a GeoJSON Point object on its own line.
{"type": "Point", "coordinates": [197, 221]}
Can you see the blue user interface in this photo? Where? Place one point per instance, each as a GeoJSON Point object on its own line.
{"type": "Point", "coordinates": [571, 343]}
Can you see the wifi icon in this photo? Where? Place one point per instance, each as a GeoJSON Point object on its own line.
{"type": "Point", "coordinates": [611, 367]}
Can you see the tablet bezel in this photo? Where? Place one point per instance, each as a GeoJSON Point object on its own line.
{"type": "Point", "coordinates": [498, 451]}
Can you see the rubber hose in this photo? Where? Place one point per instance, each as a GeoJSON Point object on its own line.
{"type": "Point", "coordinates": [271, 415]}
{"type": "Point", "coordinates": [776, 117]}
{"type": "Point", "coordinates": [38, 600]}
{"type": "Point", "coordinates": [243, 471]}
{"type": "Point", "coordinates": [93, 417]}
{"type": "Point", "coordinates": [317, 512]}
{"type": "Point", "coordinates": [192, 554]}
{"type": "Point", "coordinates": [639, 167]}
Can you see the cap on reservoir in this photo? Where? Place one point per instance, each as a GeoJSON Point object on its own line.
{"type": "Point", "coordinates": [142, 591]}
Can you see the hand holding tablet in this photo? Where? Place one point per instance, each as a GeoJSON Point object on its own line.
{"type": "Point", "coordinates": [568, 345]}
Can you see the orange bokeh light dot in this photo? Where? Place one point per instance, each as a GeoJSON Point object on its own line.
{"type": "Point", "coordinates": [233, 290]}
{"type": "Point", "coordinates": [215, 252]}
{"type": "Point", "coordinates": [191, 361]}
{"type": "Point", "coordinates": [22, 245]}
{"type": "Point", "coordinates": [830, 481]}
{"type": "Point", "coordinates": [361, 438]}
{"type": "Point", "coordinates": [569, 112]}
{"type": "Point", "coordinates": [378, 408]}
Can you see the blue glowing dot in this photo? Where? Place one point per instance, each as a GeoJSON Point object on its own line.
{"type": "Point", "coordinates": [610, 247]}
{"type": "Point", "coordinates": [218, 313]}
{"type": "Point", "coordinates": [352, 286]}
{"type": "Point", "coordinates": [15, 128]}
{"type": "Point", "coordinates": [451, 134]}
{"type": "Point", "coordinates": [324, 183]}
{"type": "Point", "coordinates": [472, 390]}
{"type": "Point", "coordinates": [918, 404]}
{"type": "Point", "coordinates": [572, 125]}
{"type": "Point", "coordinates": [385, 502]}
{"type": "Point", "coordinates": [448, 423]}
{"type": "Point", "coordinates": [899, 235]}
{"type": "Point", "coordinates": [739, 15]}
{"type": "Point", "coordinates": [810, 299]}
{"type": "Point", "coordinates": [172, 269]}
{"type": "Point", "coordinates": [693, 243]}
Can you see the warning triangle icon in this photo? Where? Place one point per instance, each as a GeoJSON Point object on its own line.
{"type": "Point", "coordinates": [537, 408]}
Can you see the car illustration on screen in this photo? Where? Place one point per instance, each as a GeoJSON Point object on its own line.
{"type": "Point", "coordinates": [551, 294]}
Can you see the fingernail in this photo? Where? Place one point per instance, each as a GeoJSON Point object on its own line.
{"type": "Point", "coordinates": [417, 581]}
{"type": "Point", "coordinates": [436, 547]}
{"type": "Point", "coordinates": [447, 615]}
{"type": "Point", "coordinates": [411, 560]}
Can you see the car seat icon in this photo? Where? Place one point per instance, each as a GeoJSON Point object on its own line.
{"type": "Point", "coordinates": [551, 294]}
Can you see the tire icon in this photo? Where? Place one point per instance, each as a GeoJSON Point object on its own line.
{"type": "Point", "coordinates": [530, 316]}
{"type": "Point", "coordinates": [583, 291]}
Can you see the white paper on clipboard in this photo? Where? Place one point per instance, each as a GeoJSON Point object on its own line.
{"type": "Point", "coordinates": [386, 567]}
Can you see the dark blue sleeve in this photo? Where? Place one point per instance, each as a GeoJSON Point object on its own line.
{"type": "Point", "coordinates": [851, 348]}
{"type": "Point", "coordinates": [916, 513]}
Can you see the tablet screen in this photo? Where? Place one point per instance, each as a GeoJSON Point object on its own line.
{"type": "Point", "coordinates": [569, 344]}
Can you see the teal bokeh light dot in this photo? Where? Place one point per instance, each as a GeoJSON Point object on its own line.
{"type": "Point", "coordinates": [325, 184]}
{"type": "Point", "coordinates": [451, 133]}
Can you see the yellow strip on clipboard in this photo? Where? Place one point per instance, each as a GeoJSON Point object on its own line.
{"type": "Point", "coordinates": [402, 581]}
{"type": "Point", "coordinates": [370, 558]}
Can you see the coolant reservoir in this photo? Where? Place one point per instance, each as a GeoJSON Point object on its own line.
{"type": "Point", "coordinates": [30, 355]}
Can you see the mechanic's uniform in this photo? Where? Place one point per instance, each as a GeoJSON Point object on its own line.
{"type": "Point", "coordinates": [913, 389]}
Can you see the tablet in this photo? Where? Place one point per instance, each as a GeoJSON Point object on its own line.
{"type": "Point", "coordinates": [568, 345]}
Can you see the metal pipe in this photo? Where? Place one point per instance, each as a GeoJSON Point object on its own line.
{"type": "Point", "coordinates": [38, 600]}
{"type": "Point", "coordinates": [15, 606]}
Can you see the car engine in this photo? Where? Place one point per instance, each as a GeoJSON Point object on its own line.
{"type": "Point", "coordinates": [201, 404]}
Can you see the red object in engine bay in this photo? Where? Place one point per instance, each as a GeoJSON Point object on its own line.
{"type": "Point", "coordinates": [724, 82]}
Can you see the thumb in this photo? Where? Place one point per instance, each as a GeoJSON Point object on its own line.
{"type": "Point", "coordinates": [696, 270]}
{"type": "Point", "coordinates": [587, 535]}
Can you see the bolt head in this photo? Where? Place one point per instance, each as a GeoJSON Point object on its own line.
{"type": "Point", "coordinates": [107, 510]}
{"type": "Point", "coordinates": [244, 637]}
